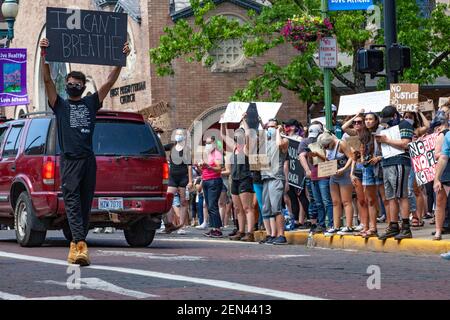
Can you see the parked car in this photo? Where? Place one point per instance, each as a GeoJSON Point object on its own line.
{"type": "Point", "coordinates": [132, 176]}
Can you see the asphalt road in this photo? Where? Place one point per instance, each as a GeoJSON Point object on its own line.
{"type": "Point", "coordinates": [192, 267]}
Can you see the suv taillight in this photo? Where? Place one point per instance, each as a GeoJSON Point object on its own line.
{"type": "Point", "coordinates": [165, 173]}
{"type": "Point", "coordinates": [48, 172]}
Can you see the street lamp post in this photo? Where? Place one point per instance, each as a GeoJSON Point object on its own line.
{"type": "Point", "coordinates": [10, 9]}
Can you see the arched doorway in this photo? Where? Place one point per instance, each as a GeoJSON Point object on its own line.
{"type": "Point", "coordinates": [207, 125]}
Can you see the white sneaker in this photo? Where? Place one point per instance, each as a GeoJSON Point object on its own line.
{"type": "Point", "coordinates": [360, 227]}
{"type": "Point", "coordinates": [98, 230]}
{"type": "Point", "coordinates": [346, 231]}
{"type": "Point", "coordinates": [182, 231]}
{"type": "Point", "coordinates": [203, 226]}
{"type": "Point", "coordinates": [109, 230]}
{"type": "Point", "coordinates": [331, 232]}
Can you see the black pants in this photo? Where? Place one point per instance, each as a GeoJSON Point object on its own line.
{"type": "Point", "coordinates": [293, 195]}
{"type": "Point", "coordinates": [78, 179]}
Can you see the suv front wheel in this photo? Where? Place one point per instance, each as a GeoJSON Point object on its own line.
{"type": "Point", "coordinates": [25, 223]}
{"type": "Point", "coordinates": [140, 233]}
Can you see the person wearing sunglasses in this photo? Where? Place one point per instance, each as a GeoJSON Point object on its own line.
{"type": "Point", "coordinates": [355, 127]}
{"type": "Point", "coordinates": [75, 118]}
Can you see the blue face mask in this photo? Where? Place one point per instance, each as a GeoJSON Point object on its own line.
{"type": "Point", "coordinates": [270, 132]}
{"type": "Point", "coordinates": [393, 122]}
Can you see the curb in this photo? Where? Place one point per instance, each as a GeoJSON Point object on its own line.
{"type": "Point", "coordinates": [411, 246]}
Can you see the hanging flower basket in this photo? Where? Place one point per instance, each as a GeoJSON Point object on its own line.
{"type": "Point", "coordinates": [300, 31]}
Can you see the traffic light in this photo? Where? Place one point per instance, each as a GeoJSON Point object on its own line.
{"type": "Point", "coordinates": [370, 61]}
{"type": "Point", "coordinates": [399, 57]}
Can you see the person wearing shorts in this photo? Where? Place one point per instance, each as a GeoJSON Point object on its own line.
{"type": "Point", "coordinates": [180, 174]}
{"type": "Point", "coordinates": [341, 187]}
{"type": "Point", "coordinates": [396, 171]}
{"type": "Point", "coordinates": [274, 184]}
{"type": "Point", "coordinates": [242, 183]}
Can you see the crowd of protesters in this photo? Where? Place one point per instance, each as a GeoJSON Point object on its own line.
{"type": "Point", "coordinates": [366, 190]}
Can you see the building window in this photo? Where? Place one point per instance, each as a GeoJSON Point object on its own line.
{"type": "Point", "coordinates": [229, 55]}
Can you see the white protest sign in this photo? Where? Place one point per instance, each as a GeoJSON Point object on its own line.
{"type": "Point", "coordinates": [235, 111]}
{"type": "Point", "coordinates": [268, 110]}
{"type": "Point", "coordinates": [387, 150]}
{"type": "Point", "coordinates": [370, 101]}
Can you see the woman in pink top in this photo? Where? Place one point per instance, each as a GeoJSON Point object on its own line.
{"type": "Point", "coordinates": [212, 185]}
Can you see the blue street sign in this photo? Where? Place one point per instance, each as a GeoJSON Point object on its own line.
{"type": "Point", "coordinates": [339, 5]}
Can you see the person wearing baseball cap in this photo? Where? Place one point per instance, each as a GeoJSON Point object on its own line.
{"type": "Point", "coordinates": [396, 171]}
{"type": "Point", "coordinates": [318, 189]}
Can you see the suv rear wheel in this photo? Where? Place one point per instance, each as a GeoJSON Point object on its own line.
{"type": "Point", "coordinates": [26, 223]}
{"type": "Point", "coordinates": [140, 233]}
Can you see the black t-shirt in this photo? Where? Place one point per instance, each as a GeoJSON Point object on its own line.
{"type": "Point", "coordinates": [76, 122]}
{"type": "Point", "coordinates": [179, 160]}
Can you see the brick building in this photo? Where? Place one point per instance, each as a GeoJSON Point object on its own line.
{"type": "Point", "coordinates": [195, 92]}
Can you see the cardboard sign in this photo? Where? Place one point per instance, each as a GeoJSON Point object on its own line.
{"type": "Point", "coordinates": [387, 150]}
{"type": "Point", "coordinates": [13, 77]}
{"type": "Point", "coordinates": [405, 96]}
{"type": "Point", "coordinates": [426, 106]}
{"type": "Point", "coordinates": [327, 169]}
{"type": "Point", "coordinates": [423, 158]}
{"type": "Point", "coordinates": [315, 147]}
{"type": "Point", "coordinates": [259, 162]}
{"type": "Point", "coordinates": [350, 105]}
{"type": "Point", "coordinates": [296, 172]}
{"type": "Point", "coordinates": [88, 37]}
{"type": "Point", "coordinates": [353, 142]}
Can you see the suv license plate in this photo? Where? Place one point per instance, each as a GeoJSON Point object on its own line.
{"type": "Point", "coordinates": [110, 203]}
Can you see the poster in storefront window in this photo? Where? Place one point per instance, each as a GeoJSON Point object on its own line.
{"type": "Point", "coordinates": [13, 77]}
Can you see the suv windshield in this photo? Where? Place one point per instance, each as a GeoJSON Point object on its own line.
{"type": "Point", "coordinates": [122, 138]}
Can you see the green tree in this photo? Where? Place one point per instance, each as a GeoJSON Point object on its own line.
{"type": "Point", "coordinates": [429, 39]}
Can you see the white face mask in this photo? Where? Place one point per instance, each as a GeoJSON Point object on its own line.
{"type": "Point", "coordinates": [209, 148]}
{"type": "Point", "coordinates": [410, 121]}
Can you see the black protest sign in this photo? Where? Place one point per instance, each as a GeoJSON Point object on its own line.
{"type": "Point", "coordinates": [252, 116]}
{"type": "Point", "coordinates": [88, 37]}
{"type": "Point", "coordinates": [296, 172]}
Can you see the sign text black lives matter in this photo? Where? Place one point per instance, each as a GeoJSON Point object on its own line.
{"type": "Point", "coordinates": [88, 37]}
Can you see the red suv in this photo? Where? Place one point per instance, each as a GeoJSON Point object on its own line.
{"type": "Point", "coordinates": [132, 176]}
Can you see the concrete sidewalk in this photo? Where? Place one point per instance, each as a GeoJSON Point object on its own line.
{"type": "Point", "coordinates": [421, 243]}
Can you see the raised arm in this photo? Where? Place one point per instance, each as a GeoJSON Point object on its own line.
{"type": "Point", "coordinates": [50, 88]}
{"type": "Point", "coordinates": [426, 125]}
{"type": "Point", "coordinates": [112, 78]}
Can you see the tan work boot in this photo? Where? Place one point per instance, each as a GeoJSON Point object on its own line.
{"type": "Point", "coordinates": [82, 255]}
{"type": "Point", "coordinates": [249, 237]}
{"type": "Point", "coordinates": [72, 253]}
{"type": "Point", "coordinates": [238, 236]}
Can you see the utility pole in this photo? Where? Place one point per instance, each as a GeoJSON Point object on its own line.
{"type": "Point", "coordinates": [390, 36]}
{"type": "Point", "coordinates": [327, 78]}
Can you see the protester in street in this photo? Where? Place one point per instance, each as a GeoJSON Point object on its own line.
{"type": "Point", "coordinates": [274, 184]}
{"type": "Point", "coordinates": [77, 160]}
{"type": "Point", "coordinates": [340, 183]}
{"type": "Point", "coordinates": [318, 188]}
{"type": "Point", "coordinates": [180, 174]}
{"type": "Point", "coordinates": [396, 171]}
{"type": "Point", "coordinates": [212, 185]}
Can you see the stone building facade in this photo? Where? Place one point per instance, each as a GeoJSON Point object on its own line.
{"type": "Point", "coordinates": [195, 92]}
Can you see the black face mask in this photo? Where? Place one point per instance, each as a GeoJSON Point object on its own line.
{"type": "Point", "coordinates": [74, 91]}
